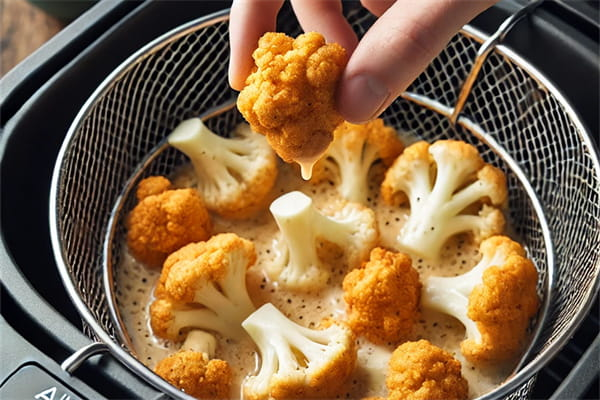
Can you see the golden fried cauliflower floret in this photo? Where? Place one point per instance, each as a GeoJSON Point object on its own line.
{"type": "Point", "coordinates": [164, 221]}
{"type": "Point", "coordinates": [382, 297]}
{"type": "Point", "coordinates": [204, 287]}
{"type": "Point", "coordinates": [196, 375]}
{"type": "Point", "coordinates": [235, 174]}
{"type": "Point", "coordinates": [290, 95]}
{"type": "Point", "coordinates": [152, 185]}
{"type": "Point", "coordinates": [421, 371]}
{"type": "Point", "coordinates": [183, 254]}
{"type": "Point", "coordinates": [354, 150]}
{"type": "Point", "coordinates": [495, 301]}
{"type": "Point", "coordinates": [297, 362]}
{"type": "Point", "coordinates": [442, 183]}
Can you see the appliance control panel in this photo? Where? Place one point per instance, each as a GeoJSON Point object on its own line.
{"type": "Point", "coordinates": [33, 382]}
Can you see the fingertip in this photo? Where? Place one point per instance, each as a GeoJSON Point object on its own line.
{"type": "Point", "coordinates": [237, 79]}
{"type": "Point", "coordinates": [240, 65]}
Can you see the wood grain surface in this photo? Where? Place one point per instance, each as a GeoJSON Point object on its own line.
{"type": "Point", "coordinates": [23, 28]}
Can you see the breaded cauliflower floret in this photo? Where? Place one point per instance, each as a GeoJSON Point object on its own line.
{"type": "Point", "coordinates": [495, 301]}
{"type": "Point", "coordinates": [193, 370]}
{"type": "Point", "coordinates": [382, 297]}
{"type": "Point", "coordinates": [290, 96]}
{"type": "Point", "coordinates": [350, 227]}
{"type": "Point", "coordinates": [197, 375]}
{"type": "Point", "coordinates": [442, 183]}
{"type": "Point", "coordinates": [164, 221]}
{"type": "Point", "coordinates": [204, 287]}
{"type": "Point", "coordinates": [235, 174]}
{"type": "Point", "coordinates": [421, 371]}
{"type": "Point", "coordinates": [297, 362]}
{"type": "Point", "coordinates": [183, 254]}
{"type": "Point", "coordinates": [151, 186]}
{"type": "Point", "coordinates": [354, 150]}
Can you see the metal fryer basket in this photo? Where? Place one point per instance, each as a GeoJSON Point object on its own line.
{"type": "Point", "coordinates": [513, 115]}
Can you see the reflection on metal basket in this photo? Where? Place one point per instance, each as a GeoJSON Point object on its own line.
{"type": "Point", "coordinates": [513, 116]}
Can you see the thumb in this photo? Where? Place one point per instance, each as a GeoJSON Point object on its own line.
{"type": "Point", "coordinates": [396, 49]}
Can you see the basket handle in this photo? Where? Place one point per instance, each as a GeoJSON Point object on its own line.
{"type": "Point", "coordinates": [76, 359]}
{"type": "Point", "coordinates": [485, 49]}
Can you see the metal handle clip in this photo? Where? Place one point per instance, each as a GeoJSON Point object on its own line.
{"type": "Point", "coordinates": [485, 49]}
{"type": "Point", "coordinates": [76, 359]}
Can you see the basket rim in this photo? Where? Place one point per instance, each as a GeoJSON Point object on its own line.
{"type": "Point", "coordinates": [584, 308]}
{"type": "Point", "coordinates": [60, 254]}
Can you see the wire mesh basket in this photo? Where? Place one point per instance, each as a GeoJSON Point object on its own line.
{"type": "Point", "coordinates": [511, 113]}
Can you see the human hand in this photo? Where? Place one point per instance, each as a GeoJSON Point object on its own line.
{"type": "Point", "coordinates": [407, 35]}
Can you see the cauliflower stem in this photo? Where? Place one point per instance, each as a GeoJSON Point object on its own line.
{"type": "Point", "coordinates": [352, 227]}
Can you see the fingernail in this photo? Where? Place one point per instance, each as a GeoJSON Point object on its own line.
{"type": "Point", "coordinates": [362, 97]}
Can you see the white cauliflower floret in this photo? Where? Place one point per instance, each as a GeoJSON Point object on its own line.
{"type": "Point", "coordinates": [442, 182]}
{"type": "Point", "coordinates": [297, 362]}
{"type": "Point", "coordinates": [235, 175]}
{"type": "Point", "coordinates": [495, 300]}
{"type": "Point", "coordinates": [354, 150]}
{"type": "Point", "coordinates": [352, 227]}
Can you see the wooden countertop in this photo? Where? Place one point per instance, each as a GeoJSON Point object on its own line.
{"type": "Point", "coordinates": [23, 28]}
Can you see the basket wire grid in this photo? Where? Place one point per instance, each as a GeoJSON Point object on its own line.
{"type": "Point", "coordinates": [184, 74]}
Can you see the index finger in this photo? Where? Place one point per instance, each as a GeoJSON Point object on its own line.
{"type": "Point", "coordinates": [396, 49]}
